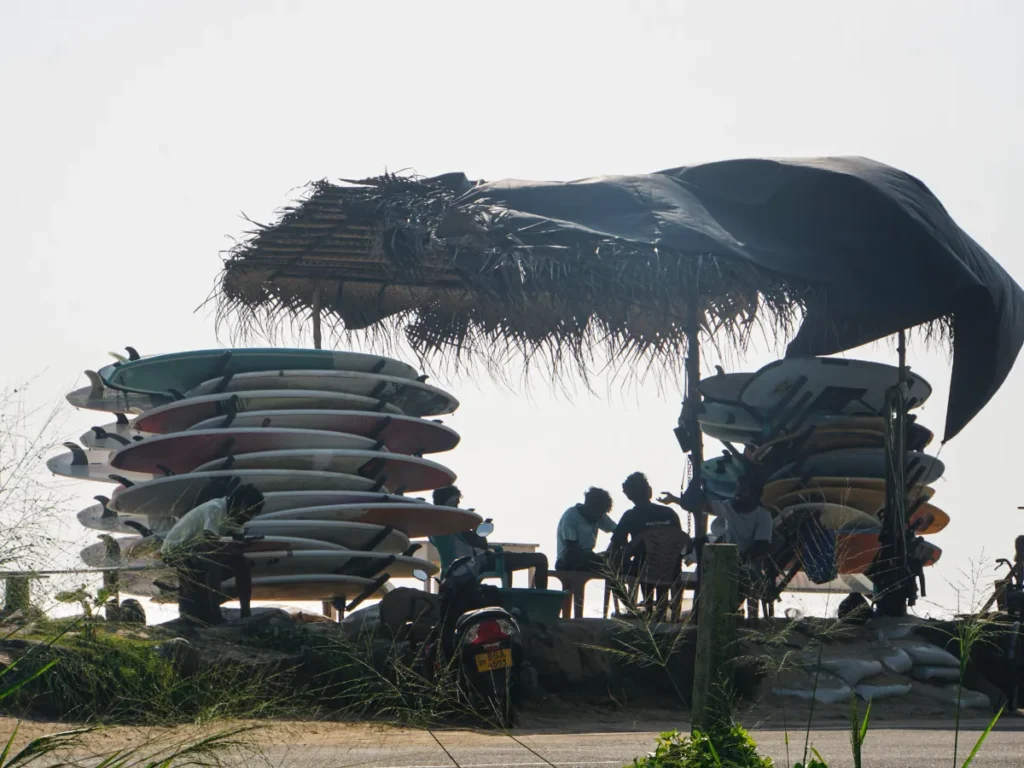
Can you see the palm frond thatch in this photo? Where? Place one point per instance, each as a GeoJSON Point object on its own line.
{"type": "Point", "coordinates": [465, 283]}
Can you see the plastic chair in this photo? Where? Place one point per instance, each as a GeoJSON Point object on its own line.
{"type": "Point", "coordinates": [662, 569]}
{"type": "Point", "coordinates": [445, 546]}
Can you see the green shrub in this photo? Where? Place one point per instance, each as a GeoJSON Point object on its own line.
{"type": "Point", "coordinates": [726, 748]}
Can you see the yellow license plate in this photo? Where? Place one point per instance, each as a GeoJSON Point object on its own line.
{"type": "Point", "coordinates": [487, 662]}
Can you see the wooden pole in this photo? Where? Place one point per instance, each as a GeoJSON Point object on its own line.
{"type": "Point", "coordinates": [18, 593]}
{"type": "Point", "coordinates": [693, 425]}
{"type": "Point", "coordinates": [716, 636]}
{"type": "Point", "coordinates": [317, 340]}
{"type": "Point", "coordinates": [112, 610]}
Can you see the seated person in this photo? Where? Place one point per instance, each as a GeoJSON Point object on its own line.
{"type": "Point", "coordinates": [577, 533]}
{"type": "Point", "coordinates": [748, 525]}
{"type": "Point", "coordinates": [194, 548]}
{"type": "Point", "coordinates": [645, 515]}
{"type": "Point", "coordinates": [468, 543]}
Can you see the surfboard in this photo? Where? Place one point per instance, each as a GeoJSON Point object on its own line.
{"type": "Point", "coordinates": [926, 518]}
{"type": "Point", "coordinates": [182, 371]}
{"type": "Point", "coordinates": [832, 517]}
{"type": "Point", "coordinates": [365, 564]}
{"type": "Point", "coordinates": [111, 437]}
{"type": "Point", "coordinates": [307, 587]}
{"type": "Point", "coordinates": [98, 397]}
{"type": "Point", "coordinates": [842, 586]}
{"type": "Point", "coordinates": [777, 488]}
{"type": "Point", "coordinates": [830, 384]}
{"type": "Point", "coordinates": [862, 462]}
{"type": "Point", "coordinates": [398, 471]}
{"type": "Point", "coordinates": [724, 387]}
{"type": "Point", "coordinates": [183, 414]}
{"type": "Point", "coordinates": [285, 500]}
{"type": "Point", "coordinates": [351, 535]}
{"type": "Point", "coordinates": [90, 464]}
{"type": "Point", "coordinates": [138, 552]}
{"type": "Point", "coordinates": [817, 441]}
{"type": "Point", "coordinates": [411, 397]}
{"type": "Point", "coordinates": [184, 451]}
{"type": "Point", "coordinates": [415, 520]}
{"type": "Point", "coordinates": [176, 495]}
{"type": "Point", "coordinates": [731, 417]}
{"type": "Point", "coordinates": [400, 434]}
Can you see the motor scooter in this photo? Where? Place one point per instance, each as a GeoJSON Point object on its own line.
{"type": "Point", "coordinates": [476, 639]}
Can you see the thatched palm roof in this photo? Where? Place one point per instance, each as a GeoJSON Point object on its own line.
{"type": "Point", "coordinates": [554, 271]}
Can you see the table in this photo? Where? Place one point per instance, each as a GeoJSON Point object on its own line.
{"type": "Point", "coordinates": [430, 553]}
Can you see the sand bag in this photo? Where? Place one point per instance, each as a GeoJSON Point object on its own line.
{"type": "Point", "coordinates": [829, 689]}
{"type": "Point", "coordinates": [897, 660]}
{"type": "Point", "coordinates": [936, 674]}
{"type": "Point", "coordinates": [852, 671]}
{"type": "Point", "coordinates": [884, 688]}
{"type": "Point", "coordinates": [926, 654]}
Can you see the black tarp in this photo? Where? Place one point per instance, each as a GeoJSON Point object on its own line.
{"type": "Point", "coordinates": [883, 247]}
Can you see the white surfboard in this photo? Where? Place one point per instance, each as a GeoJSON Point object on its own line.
{"type": "Point", "coordinates": [182, 452]}
{"type": "Point", "coordinates": [365, 564]}
{"type": "Point", "coordinates": [724, 387]}
{"type": "Point", "coordinates": [397, 470]}
{"type": "Point", "coordinates": [416, 520]}
{"type": "Point", "coordinates": [113, 436]}
{"type": "Point", "coordinates": [411, 397]}
{"type": "Point", "coordinates": [830, 384]}
{"type": "Point", "coordinates": [176, 495]}
{"type": "Point", "coordinates": [97, 397]}
{"type": "Point", "coordinates": [351, 535]}
{"type": "Point", "coordinates": [90, 464]}
{"type": "Point", "coordinates": [401, 434]}
{"type": "Point", "coordinates": [144, 552]}
{"type": "Point", "coordinates": [307, 587]}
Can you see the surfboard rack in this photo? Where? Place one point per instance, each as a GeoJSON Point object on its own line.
{"type": "Point", "coordinates": [370, 589]}
{"type": "Point", "coordinates": [377, 538]}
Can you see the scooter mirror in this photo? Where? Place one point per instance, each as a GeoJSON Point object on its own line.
{"type": "Point", "coordinates": [420, 575]}
{"type": "Point", "coordinates": [485, 529]}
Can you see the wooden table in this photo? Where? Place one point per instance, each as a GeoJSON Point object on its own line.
{"type": "Point", "coordinates": [430, 553]}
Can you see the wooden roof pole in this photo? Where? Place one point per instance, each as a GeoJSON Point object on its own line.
{"type": "Point", "coordinates": [317, 340]}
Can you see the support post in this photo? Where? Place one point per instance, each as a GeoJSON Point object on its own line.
{"type": "Point", "coordinates": [317, 340]}
{"type": "Point", "coordinates": [18, 594]}
{"type": "Point", "coordinates": [892, 577]}
{"type": "Point", "coordinates": [112, 610]}
{"type": "Point", "coordinates": [716, 636]}
{"type": "Point", "coordinates": [693, 399]}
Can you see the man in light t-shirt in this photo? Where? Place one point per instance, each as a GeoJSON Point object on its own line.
{"type": "Point", "coordinates": [577, 533]}
{"type": "Point", "coordinates": [194, 548]}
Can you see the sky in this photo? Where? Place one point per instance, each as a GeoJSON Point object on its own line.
{"type": "Point", "coordinates": [137, 136]}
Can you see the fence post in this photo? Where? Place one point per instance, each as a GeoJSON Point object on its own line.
{"type": "Point", "coordinates": [716, 635]}
{"type": "Point", "coordinates": [17, 593]}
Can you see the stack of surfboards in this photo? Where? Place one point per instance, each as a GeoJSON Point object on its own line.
{"type": "Point", "coordinates": [812, 429]}
{"type": "Point", "coordinates": [334, 440]}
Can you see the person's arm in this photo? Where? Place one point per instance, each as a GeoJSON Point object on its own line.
{"type": "Point", "coordinates": [692, 499]}
{"type": "Point", "coordinates": [620, 533]}
{"type": "Point", "coordinates": [606, 524]}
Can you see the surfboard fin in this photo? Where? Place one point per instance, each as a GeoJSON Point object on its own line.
{"type": "Point", "coordinates": [122, 419]}
{"type": "Point", "coordinates": [113, 549]}
{"type": "Point", "coordinates": [122, 480]}
{"type": "Point", "coordinates": [108, 513]}
{"type": "Point", "coordinates": [165, 469]}
{"type": "Point", "coordinates": [102, 434]}
{"type": "Point", "coordinates": [136, 525]}
{"type": "Point", "coordinates": [118, 357]}
{"type": "Point", "coordinates": [413, 549]}
{"type": "Point", "coordinates": [78, 456]}
{"type": "Point", "coordinates": [422, 378]}
{"type": "Point", "coordinates": [95, 383]}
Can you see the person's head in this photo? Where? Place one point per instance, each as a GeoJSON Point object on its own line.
{"type": "Point", "coordinates": [748, 489]}
{"type": "Point", "coordinates": [449, 496]}
{"type": "Point", "coordinates": [597, 502]}
{"type": "Point", "coordinates": [637, 489]}
{"type": "Point", "coordinates": [245, 503]}
{"type": "Point", "coordinates": [1018, 545]}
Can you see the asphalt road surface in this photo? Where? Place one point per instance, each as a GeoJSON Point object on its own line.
{"type": "Point", "coordinates": [886, 747]}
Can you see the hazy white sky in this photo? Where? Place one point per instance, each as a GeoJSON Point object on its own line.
{"type": "Point", "coordinates": [135, 135]}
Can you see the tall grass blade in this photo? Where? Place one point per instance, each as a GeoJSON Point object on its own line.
{"type": "Point", "coordinates": [981, 739]}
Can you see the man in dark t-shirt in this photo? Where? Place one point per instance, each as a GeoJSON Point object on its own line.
{"type": "Point", "coordinates": [644, 516]}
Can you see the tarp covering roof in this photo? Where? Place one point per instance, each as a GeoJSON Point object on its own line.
{"type": "Point", "coordinates": [861, 249]}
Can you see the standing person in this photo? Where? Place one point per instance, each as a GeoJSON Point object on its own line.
{"type": "Point", "coordinates": [577, 532]}
{"type": "Point", "coordinates": [194, 548]}
{"type": "Point", "coordinates": [468, 543]}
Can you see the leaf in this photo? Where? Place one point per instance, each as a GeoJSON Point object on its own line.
{"type": "Point", "coordinates": [864, 725]}
{"type": "Point", "coordinates": [981, 739]}
{"type": "Point", "coordinates": [45, 745]}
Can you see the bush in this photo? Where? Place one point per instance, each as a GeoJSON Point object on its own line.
{"type": "Point", "coordinates": [725, 748]}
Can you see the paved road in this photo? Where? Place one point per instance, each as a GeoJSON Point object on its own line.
{"type": "Point", "coordinates": [885, 748]}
